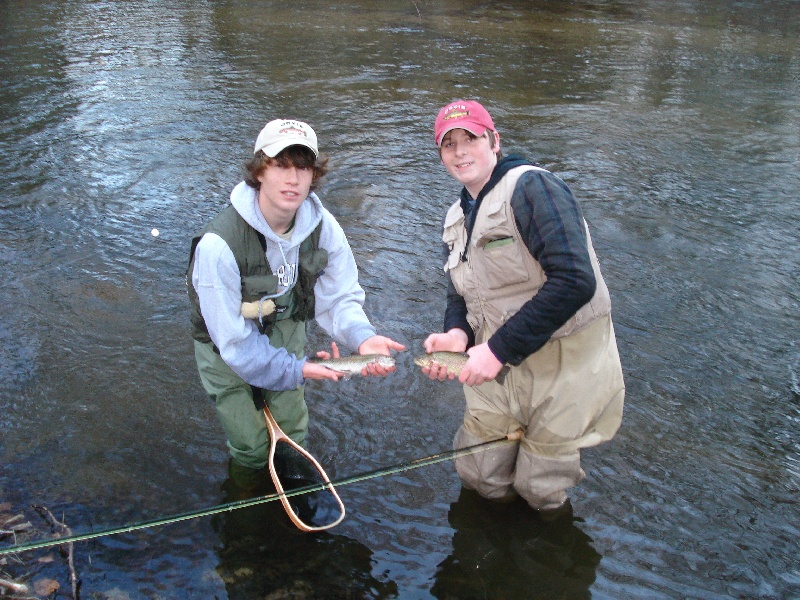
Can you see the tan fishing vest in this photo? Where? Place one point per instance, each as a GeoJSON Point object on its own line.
{"type": "Point", "coordinates": [500, 274]}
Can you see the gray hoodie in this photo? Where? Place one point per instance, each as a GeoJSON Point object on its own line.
{"type": "Point", "coordinates": [339, 297]}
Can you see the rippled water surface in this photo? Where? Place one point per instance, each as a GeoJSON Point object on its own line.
{"type": "Point", "coordinates": [675, 124]}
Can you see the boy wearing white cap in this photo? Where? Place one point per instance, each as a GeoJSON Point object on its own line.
{"type": "Point", "coordinates": [524, 290]}
{"type": "Point", "coordinates": [275, 241]}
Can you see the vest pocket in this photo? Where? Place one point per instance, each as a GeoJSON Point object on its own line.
{"type": "Point", "coordinates": [499, 243]}
{"type": "Point", "coordinates": [455, 240]}
{"type": "Point", "coordinates": [255, 287]}
{"type": "Point", "coordinates": [503, 261]}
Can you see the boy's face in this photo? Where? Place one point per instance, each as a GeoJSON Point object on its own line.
{"type": "Point", "coordinates": [283, 189]}
{"type": "Point", "coordinates": [469, 159]}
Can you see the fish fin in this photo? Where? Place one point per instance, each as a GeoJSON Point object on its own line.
{"type": "Point", "coordinates": [343, 374]}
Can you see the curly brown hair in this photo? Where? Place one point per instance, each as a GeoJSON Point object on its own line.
{"type": "Point", "coordinates": [293, 156]}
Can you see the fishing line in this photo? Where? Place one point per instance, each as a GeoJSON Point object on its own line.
{"type": "Point", "coordinates": [230, 506]}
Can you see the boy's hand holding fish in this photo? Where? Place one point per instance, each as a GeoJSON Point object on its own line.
{"type": "Point", "coordinates": [448, 359]}
{"type": "Point", "coordinates": [329, 365]}
{"type": "Point", "coordinates": [454, 341]}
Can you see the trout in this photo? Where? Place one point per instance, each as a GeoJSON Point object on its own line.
{"type": "Point", "coordinates": [454, 361]}
{"type": "Point", "coordinates": [353, 365]}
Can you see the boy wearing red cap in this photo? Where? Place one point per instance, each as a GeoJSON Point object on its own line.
{"type": "Point", "coordinates": [524, 290]}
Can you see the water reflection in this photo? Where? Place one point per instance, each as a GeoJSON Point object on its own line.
{"type": "Point", "coordinates": [506, 551]}
{"type": "Point", "coordinates": [263, 554]}
{"type": "Point", "coordinates": [676, 124]}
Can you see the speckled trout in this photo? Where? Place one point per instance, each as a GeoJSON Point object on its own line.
{"type": "Point", "coordinates": [454, 361]}
{"type": "Point", "coordinates": [353, 365]}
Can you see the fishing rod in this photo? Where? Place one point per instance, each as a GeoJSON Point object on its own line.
{"type": "Point", "coordinates": [230, 506]}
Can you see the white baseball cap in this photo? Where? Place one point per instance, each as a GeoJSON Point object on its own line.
{"type": "Point", "coordinates": [282, 133]}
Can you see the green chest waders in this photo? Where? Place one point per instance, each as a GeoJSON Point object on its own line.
{"type": "Point", "coordinates": [247, 437]}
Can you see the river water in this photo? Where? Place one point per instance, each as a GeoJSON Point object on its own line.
{"type": "Point", "coordinates": [677, 125]}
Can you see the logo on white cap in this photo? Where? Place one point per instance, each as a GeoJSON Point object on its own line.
{"type": "Point", "coordinates": [279, 134]}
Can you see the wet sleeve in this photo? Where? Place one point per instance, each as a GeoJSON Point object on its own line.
{"type": "Point", "coordinates": [552, 225]}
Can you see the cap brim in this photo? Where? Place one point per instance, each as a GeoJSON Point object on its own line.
{"type": "Point", "coordinates": [272, 150]}
{"type": "Point", "coordinates": [476, 130]}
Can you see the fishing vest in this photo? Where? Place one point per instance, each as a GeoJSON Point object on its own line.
{"type": "Point", "coordinates": [249, 248]}
{"type": "Point", "coordinates": [499, 274]}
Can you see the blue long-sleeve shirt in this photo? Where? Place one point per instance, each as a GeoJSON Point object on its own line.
{"type": "Point", "coordinates": [552, 226]}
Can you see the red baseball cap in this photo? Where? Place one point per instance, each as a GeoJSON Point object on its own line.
{"type": "Point", "coordinates": [462, 114]}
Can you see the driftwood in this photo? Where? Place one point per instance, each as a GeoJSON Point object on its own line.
{"type": "Point", "coordinates": [11, 526]}
{"type": "Point", "coordinates": [19, 530]}
{"type": "Point", "coordinates": [16, 588]}
{"type": "Point", "coordinates": [73, 577]}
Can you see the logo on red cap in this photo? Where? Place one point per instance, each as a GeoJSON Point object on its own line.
{"type": "Point", "coordinates": [456, 112]}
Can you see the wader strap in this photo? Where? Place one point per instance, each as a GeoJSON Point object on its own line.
{"type": "Point", "coordinates": [258, 397]}
{"type": "Point", "coordinates": [263, 241]}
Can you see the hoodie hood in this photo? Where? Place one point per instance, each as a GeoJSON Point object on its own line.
{"type": "Point", "coordinates": [282, 255]}
{"type": "Point", "coordinates": [245, 200]}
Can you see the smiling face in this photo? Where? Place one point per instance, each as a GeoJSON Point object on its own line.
{"type": "Point", "coordinates": [283, 189]}
{"type": "Point", "coordinates": [470, 159]}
